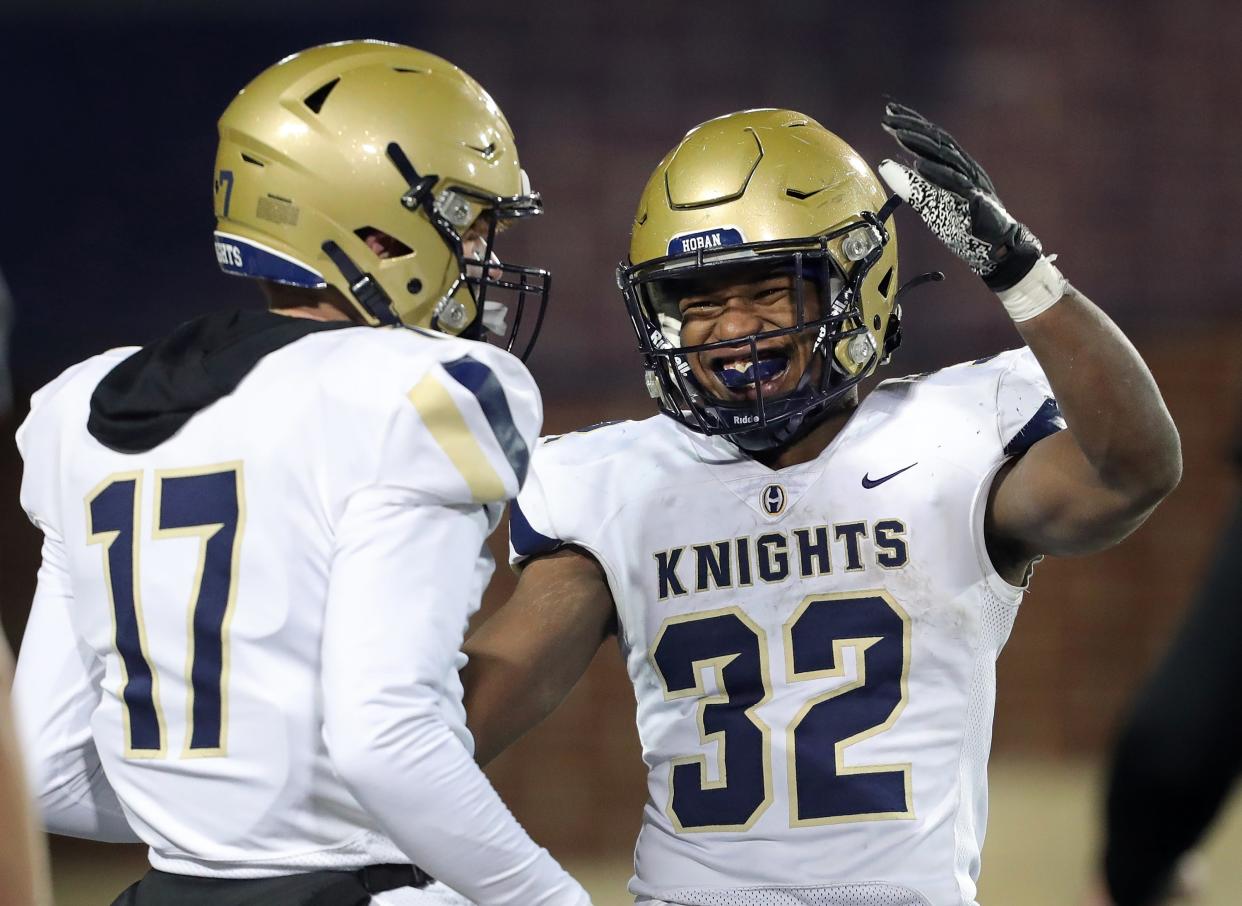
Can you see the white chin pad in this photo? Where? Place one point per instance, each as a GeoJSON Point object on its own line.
{"type": "Point", "coordinates": [494, 317]}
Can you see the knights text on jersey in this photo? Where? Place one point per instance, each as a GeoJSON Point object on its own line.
{"type": "Point", "coordinates": [196, 574]}
{"type": "Point", "coordinates": [812, 649]}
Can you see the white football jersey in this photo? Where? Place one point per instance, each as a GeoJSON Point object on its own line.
{"type": "Point", "coordinates": [197, 578]}
{"type": "Point", "coordinates": [812, 649]}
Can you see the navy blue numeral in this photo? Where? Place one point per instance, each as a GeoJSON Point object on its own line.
{"type": "Point", "coordinates": [226, 179]}
{"type": "Point", "coordinates": [113, 522]}
{"type": "Point", "coordinates": [823, 788]}
{"type": "Point", "coordinates": [207, 501]}
{"type": "Point", "coordinates": [207, 505]}
{"type": "Point", "coordinates": [733, 646]}
{"type": "Point", "coordinates": [826, 788]}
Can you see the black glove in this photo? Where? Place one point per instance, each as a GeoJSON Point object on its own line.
{"type": "Point", "coordinates": [956, 199]}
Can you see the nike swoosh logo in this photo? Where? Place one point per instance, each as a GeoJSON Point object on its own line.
{"type": "Point", "coordinates": [868, 482]}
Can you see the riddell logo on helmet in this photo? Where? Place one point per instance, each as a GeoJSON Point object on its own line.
{"type": "Point", "coordinates": [704, 239]}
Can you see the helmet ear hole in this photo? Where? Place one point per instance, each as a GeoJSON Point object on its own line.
{"type": "Point", "coordinates": [382, 244]}
{"type": "Point", "coordinates": [892, 334]}
{"type": "Point", "coordinates": [883, 287]}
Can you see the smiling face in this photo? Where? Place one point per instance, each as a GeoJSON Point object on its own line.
{"type": "Point", "coordinates": [736, 306]}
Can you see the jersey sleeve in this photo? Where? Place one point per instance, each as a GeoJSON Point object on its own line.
{"type": "Point", "coordinates": [55, 692]}
{"type": "Point", "coordinates": [531, 532]}
{"type": "Point", "coordinates": [458, 425]}
{"type": "Point", "coordinates": [39, 435]}
{"type": "Point", "coordinates": [393, 629]}
{"type": "Point", "coordinates": [577, 482]}
{"type": "Point", "coordinates": [1026, 410]}
{"type": "Point", "coordinates": [464, 430]}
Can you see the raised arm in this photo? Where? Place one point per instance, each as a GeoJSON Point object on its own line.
{"type": "Point", "coordinates": [1086, 488]}
{"type": "Point", "coordinates": [1078, 490]}
{"type": "Point", "coordinates": [530, 653]}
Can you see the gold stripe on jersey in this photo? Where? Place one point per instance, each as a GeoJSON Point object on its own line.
{"type": "Point", "coordinates": [448, 426]}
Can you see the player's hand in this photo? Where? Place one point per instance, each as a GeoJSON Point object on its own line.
{"type": "Point", "coordinates": [956, 199]}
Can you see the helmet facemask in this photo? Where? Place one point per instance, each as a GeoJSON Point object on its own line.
{"type": "Point", "coordinates": [833, 266]}
{"type": "Point", "coordinates": [481, 291]}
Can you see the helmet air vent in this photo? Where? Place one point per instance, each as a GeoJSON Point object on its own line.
{"type": "Point", "coordinates": [885, 282]}
{"type": "Point", "coordinates": [316, 98]}
{"type": "Point", "coordinates": [407, 69]}
{"type": "Point", "coordinates": [252, 160]}
{"type": "Point", "coordinates": [802, 196]}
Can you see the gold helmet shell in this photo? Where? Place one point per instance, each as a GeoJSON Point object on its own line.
{"type": "Point", "coordinates": [366, 138]}
{"type": "Point", "coordinates": [764, 185]}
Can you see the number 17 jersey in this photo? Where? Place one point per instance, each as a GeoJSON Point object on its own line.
{"type": "Point", "coordinates": [812, 649]}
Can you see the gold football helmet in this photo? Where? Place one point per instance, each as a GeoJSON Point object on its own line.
{"type": "Point", "coordinates": [776, 190]}
{"type": "Point", "coordinates": [349, 147]}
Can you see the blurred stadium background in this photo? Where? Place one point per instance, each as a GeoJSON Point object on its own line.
{"type": "Point", "coordinates": [1112, 129]}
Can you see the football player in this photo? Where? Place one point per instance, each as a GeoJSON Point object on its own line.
{"type": "Point", "coordinates": [810, 591]}
{"type": "Point", "coordinates": [263, 534]}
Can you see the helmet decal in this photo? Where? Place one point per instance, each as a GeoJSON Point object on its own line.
{"type": "Point", "coordinates": [243, 257]}
{"type": "Point", "coordinates": [685, 243]}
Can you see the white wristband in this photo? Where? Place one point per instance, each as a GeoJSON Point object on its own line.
{"type": "Point", "coordinates": [1035, 293]}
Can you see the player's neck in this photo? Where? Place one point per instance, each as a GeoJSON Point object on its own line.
{"type": "Point", "coordinates": [324, 304]}
{"type": "Point", "coordinates": [809, 445]}
{"type": "Point", "coordinates": [322, 312]}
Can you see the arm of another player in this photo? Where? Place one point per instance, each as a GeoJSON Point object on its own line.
{"type": "Point", "coordinates": [527, 657]}
{"type": "Point", "coordinates": [1083, 489]}
{"type": "Point", "coordinates": [55, 692]}
{"type": "Point", "coordinates": [23, 858]}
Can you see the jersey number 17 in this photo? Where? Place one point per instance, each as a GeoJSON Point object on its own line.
{"type": "Point", "coordinates": [206, 503]}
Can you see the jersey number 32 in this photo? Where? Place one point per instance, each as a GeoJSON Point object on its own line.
{"type": "Point", "coordinates": [823, 789]}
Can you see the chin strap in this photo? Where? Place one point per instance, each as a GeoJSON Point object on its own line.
{"type": "Point", "coordinates": [894, 202]}
{"type": "Point", "coordinates": [892, 335]}
{"type": "Point", "coordinates": [365, 288]}
{"type": "Point", "coordinates": [916, 282]}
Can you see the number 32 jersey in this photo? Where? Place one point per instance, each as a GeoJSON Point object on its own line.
{"type": "Point", "coordinates": [812, 649]}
